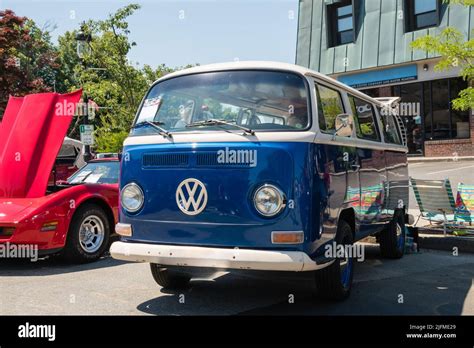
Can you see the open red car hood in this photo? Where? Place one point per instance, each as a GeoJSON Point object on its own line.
{"type": "Point", "coordinates": [31, 135]}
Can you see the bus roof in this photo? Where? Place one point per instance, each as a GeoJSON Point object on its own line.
{"type": "Point", "coordinates": [267, 65]}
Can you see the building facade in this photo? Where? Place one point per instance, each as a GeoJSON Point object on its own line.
{"type": "Point", "coordinates": [366, 44]}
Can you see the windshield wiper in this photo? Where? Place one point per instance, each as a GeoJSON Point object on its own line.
{"type": "Point", "coordinates": [155, 125]}
{"type": "Point", "coordinates": [213, 122]}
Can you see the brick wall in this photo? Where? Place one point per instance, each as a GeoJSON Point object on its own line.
{"type": "Point", "coordinates": [449, 148]}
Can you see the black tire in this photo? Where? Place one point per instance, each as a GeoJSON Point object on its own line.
{"type": "Point", "coordinates": [328, 281]}
{"type": "Point", "coordinates": [73, 251]}
{"type": "Point", "coordinates": [392, 244]}
{"type": "Point", "coordinates": [167, 278]}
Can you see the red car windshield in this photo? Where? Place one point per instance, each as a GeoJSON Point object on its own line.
{"type": "Point", "coordinates": [97, 173]}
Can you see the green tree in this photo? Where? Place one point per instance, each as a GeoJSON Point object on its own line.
{"type": "Point", "coordinates": [108, 77]}
{"type": "Point", "coordinates": [455, 51]}
{"type": "Point", "coordinates": [28, 60]}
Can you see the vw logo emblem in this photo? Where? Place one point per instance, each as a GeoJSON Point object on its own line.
{"type": "Point", "coordinates": [191, 196]}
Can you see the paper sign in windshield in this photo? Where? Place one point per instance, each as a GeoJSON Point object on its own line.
{"type": "Point", "coordinates": [150, 108]}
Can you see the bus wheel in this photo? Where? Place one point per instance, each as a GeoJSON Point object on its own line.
{"type": "Point", "coordinates": [392, 238]}
{"type": "Point", "coordinates": [335, 281]}
{"type": "Point", "coordinates": [167, 278]}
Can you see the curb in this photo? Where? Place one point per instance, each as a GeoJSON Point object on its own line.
{"type": "Point", "coordinates": [440, 159]}
{"type": "Point", "coordinates": [448, 243]}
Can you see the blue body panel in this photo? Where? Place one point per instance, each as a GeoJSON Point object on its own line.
{"type": "Point", "coordinates": [318, 180]}
{"type": "Point", "coordinates": [230, 219]}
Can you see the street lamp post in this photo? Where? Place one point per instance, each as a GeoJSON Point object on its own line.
{"type": "Point", "coordinates": [83, 41]}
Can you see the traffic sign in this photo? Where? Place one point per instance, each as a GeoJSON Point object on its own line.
{"type": "Point", "coordinates": [87, 136]}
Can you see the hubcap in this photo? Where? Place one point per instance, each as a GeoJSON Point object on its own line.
{"type": "Point", "coordinates": [91, 234]}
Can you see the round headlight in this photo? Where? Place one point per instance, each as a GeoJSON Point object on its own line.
{"type": "Point", "coordinates": [132, 197]}
{"type": "Point", "coordinates": [269, 200]}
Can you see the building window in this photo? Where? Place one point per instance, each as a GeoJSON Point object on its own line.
{"type": "Point", "coordinates": [341, 23]}
{"type": "Point", "coordinates": [427, 112]}
{"type": "Point", "coordinates": [422, 14]}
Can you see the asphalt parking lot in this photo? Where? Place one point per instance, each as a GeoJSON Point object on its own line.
{"type": "Point", "coordinates": [428, 283]}
{"type": "Point", "coordinates": [431, 283]}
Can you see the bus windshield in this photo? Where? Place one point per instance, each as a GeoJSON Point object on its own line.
{"type": "Point", "coordinates": [228, 100]}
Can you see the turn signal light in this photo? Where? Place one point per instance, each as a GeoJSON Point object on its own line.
{"type": "Point", "coordinates": [49, 226]}
{"type": "Point", "coordinates": [287, 237]}
{"type": "Point", "coordinates": [124, 230]}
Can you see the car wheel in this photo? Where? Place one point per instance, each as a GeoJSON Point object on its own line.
{"type": "Point", "coordinates": [88, 235]}
{"type": "Point", "coordinates": [167, 278]}
{"type": "Point", "coordinates": [335, 281]}
{"type": "Point", "coordinates": [392, 238]}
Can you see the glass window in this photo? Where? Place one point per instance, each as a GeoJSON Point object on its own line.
{"type": "Point", "coordinates": [364, 116]}
{"type": "Point", "coordinates": [342, 23]}
{"type": "Point", "coordinates": [422, 14]}
{"type": "Point", "coordinates": [260, 100]}
{"type": "Point", "coordinates": [426, 20]}
{"type": "Point", "coordinates": [105, 172]}
{"type": "Point", "coordinates": [440, 110]}
{"type": "Point", "coordinates": [329, 106]}
{"type": "Point", "coordinates": [390, 128]}
{"type": "Point", "coordinates": [459, 119]}
{"type": "Point", "coordinates": [423, 6]}
{"type": "Point", "coordinates": [410, 111]}
{"type": "Point", "coordinates": [344, 10]}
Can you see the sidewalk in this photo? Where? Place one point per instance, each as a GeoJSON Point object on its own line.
{"type": "Point", "coordinates": [434, 239]}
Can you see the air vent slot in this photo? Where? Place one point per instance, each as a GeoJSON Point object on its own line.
{"type": "Point", "coordinates": [206, 159]}
{"type": "Point", "coordinates": [165, 160]}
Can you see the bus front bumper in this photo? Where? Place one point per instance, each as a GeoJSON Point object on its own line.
{"type": "Point", "coordinates": [219, 258]}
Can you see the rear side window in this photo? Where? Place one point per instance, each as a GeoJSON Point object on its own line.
{"type": "Point", "coordinates": [390, 129]}
{"type": "Point", "coordinates": [329, 106]}
{"type": "Point", "coordinates": [364, 116]}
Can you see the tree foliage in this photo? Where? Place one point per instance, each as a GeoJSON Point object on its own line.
{"type": "Point", "coordinates": [28, 61]}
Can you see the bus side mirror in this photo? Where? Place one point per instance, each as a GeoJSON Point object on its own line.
{"type": "Point", "coordinates": [344, 125]}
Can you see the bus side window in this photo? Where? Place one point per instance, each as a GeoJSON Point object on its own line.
{"type": "Point", "coordinates": [390, 128]}
{"type": "Point", "coordinates": [364, 116]}
{"type": "Point", "coordinates": [329, 106]}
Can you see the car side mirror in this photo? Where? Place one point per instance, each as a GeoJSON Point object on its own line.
{"type": "Point", "coordinates": [344, 125]}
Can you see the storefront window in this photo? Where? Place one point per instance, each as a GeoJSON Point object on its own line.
{"type": "Point", "coordinates": [440, 110]}
{"type": "Point", "coordinates": [459, 119]}
{"type": "Point", "coordinates": [427, 115]}
{"type": "Point", "coordinates": [426, 110]}
{"type": "Point", "coordinates": [410, 111]}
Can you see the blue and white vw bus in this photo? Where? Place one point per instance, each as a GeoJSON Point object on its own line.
{"type": "Point", "coordinates": [260, 166]}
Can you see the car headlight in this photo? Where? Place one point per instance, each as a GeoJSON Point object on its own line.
{"type": "Point", "coordinates": [269, 200]}
{"type": "Point", "coordinates": [132, 197]}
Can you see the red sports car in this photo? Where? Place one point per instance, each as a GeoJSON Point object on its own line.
{"type": "Point", "coordinates": [75, 218]}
